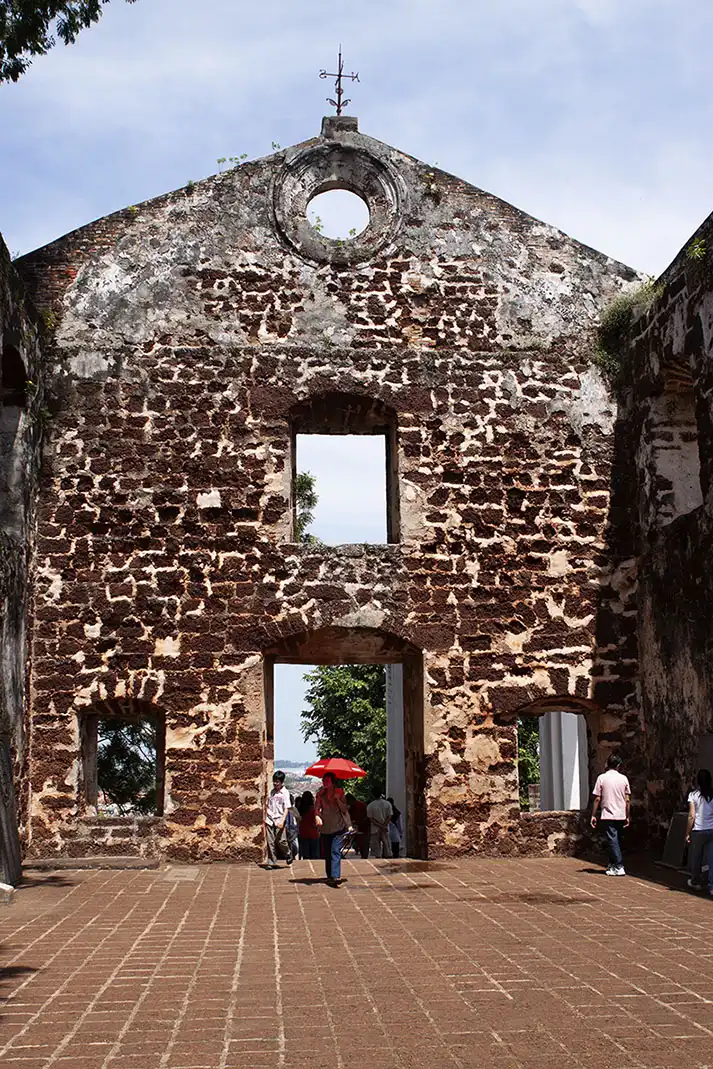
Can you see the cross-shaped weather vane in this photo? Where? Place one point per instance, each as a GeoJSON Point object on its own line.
{"type": "Point", "coordinates": [339, 103]}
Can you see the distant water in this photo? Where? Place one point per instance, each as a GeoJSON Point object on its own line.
{"type": "Point", "coordinates": [293, 768]}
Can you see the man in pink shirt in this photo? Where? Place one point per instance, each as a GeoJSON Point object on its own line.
{"type": "Point", "coordinates": [613, 794]}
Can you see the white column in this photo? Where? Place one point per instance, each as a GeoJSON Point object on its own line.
{"type": "Point", "coordinates": [395, 755]}
{"type": "Point", "coordinates": [564, 772]}
{"type": "Point", "coordinates": [549, 751]}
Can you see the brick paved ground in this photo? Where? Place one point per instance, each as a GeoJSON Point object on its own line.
{"type": "Point", "coordinates": [487, 963]}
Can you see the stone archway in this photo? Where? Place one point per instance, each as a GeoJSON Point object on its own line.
{"type": "Point", "coordinates": [364, 645]}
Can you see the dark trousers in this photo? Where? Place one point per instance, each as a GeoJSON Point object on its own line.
{"type": "Point", "coordinates": [701, 852]}
{"type": "Point", "coordinates": [333, 854]}
{"type": "Point", "coordinates": [309, 848]}
{"type": "Point", "coordinates": [611, 829]}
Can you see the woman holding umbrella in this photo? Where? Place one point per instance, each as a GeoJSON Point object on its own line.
{"type": "Point", "coordinates": [333, 820]}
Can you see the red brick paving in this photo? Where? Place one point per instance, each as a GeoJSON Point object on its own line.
{"type": "Point", "coordinates": [502, 964]}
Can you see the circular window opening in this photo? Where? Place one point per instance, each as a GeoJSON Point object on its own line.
{"type": "Point", "coordinates": [338, 214]}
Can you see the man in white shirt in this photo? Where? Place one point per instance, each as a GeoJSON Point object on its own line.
{"type": "Point", "coordinates": [613, 793]}
{"type": "Point", "coordinates": [379, 812]}
{"type": "Point", "coordinates": [278, 806]}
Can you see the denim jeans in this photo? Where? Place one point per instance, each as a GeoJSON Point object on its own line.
{"type": "Point", "coordinates": [333, 854]}
{"type": "Point", "coordinates": [611, 829]}
{"type": "Point", "coordinates": [701, 853]}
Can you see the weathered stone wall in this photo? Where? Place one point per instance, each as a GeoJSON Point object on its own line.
{"type": "Point", "coordinates": [21, 408]}
{"type": "Point", "coordinates": [188, 329]}
{"type": "Point", "coordinates": [670, 372]}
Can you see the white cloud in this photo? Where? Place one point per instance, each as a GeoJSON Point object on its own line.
{"type": "Point", "coordinates": [560, 105]}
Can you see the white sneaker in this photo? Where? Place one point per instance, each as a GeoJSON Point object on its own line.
{"type": "Point", "coordinates": [611, 871]}
{"type": "Point", "coordinates": [619, 871]}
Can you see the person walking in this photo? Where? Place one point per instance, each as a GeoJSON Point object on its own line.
{"type": "Point", "coordinates": [332, 819]}
{"type": "Point", "coordinates": [612, 794]}
{"type": "Point", "coordinates": [308, 836]}
{"type": "Point", "coordinates": [396, 829]}
{"type": "Point", "coordinates": [379, 813]}
{"type": "Point", "coordinates": [699, 831]}
{"type": "Point", "coordinates": [278, 805]}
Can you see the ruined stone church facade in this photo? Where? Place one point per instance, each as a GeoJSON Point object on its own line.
{"type": "Point", "coordinates": [181, 346]}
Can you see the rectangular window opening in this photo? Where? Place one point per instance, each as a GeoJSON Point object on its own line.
{"type": "Point", "coordinates": [352, 477]}
{"type": "Point", "coordinates": [553, 767]}
{"type": "Point", "coordinates": [124, 765]}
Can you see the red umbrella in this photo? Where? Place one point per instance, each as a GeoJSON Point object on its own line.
{"type": "Point", "coordinates": [341, 768]}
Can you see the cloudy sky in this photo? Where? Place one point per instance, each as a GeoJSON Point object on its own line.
{"type": "Point", "coordinates": [594, 115]}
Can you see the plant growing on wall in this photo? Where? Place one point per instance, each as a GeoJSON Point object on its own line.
{"type": "Point", "coordinates": [231, 161]}
{"type": "Point", "coordinates": [696, 251]}
{"type": "Point", "coordinates": [614, 326]}
{"type": "Point", "coordinates": [697, 261]}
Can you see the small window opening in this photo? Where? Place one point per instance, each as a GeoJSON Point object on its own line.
{"type": "Point", "coordinates": [348, 483]}
{"type": "Point", "coordinates": [345, 486]}
{"type": "Point", "coordinates": [674, 449]}
{"type": "Point", "coordinates": [338, 214]}
{"type": "Point", "coordinates": [124, 765]}
{"type": "Point", "coordinates": [553, 766]}
{"type": "Point", "coordinates": [13, 386]}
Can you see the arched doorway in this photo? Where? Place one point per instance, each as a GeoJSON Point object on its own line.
{"type": "Point", "coordinates": [405, 706]}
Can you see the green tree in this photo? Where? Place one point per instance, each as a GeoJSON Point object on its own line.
{"type": "Point", "coordinates": [307, 498]}
{"type": "Point", "coordinates": [126, 764]}
{"type": "Point", "coordinates": [27, 29]}
{"type": "Point", "coordinates": [347, 718]}
{"type": "Point", "coordinates": [528, 755]}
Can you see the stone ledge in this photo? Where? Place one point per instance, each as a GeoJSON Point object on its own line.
{"type": "Point", "coordinates": [7, 893]}
{"type": "Point", "coordinates": [47, 864]}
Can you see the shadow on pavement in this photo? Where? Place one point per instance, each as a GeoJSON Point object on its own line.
{"type": "Point", "coordinates": [44, 881]}
{"type": "Point", "coordinates": [643, 867]}
{"type": "Point", "coordinates": [7, 974]}
{"type": "Point", "coordinates": [544, 898]}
